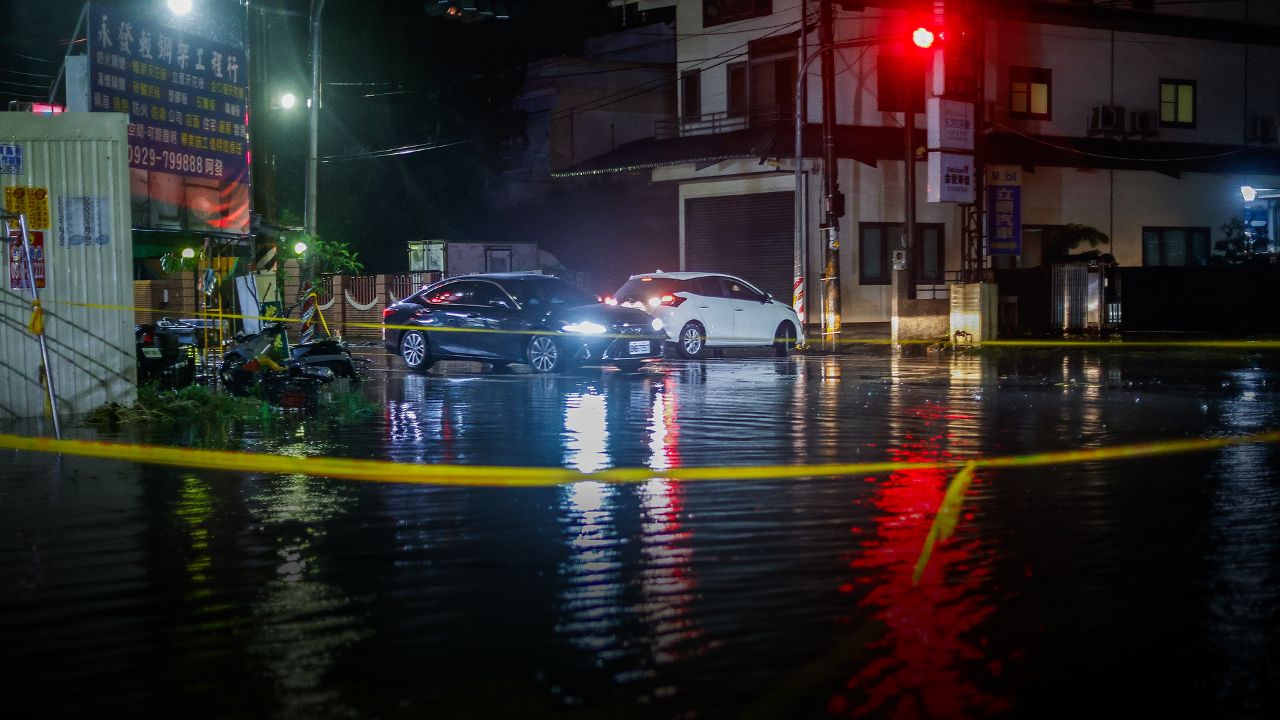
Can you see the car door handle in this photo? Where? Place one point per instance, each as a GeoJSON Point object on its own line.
{"type": "Point", "coordinates": [473, 315]}
{"type": "Point", "coordinates": [704, 307]}
{"type": "Point", "coordinates": [739, 309]}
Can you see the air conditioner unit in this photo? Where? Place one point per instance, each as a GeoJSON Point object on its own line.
{"type": "Point", "coordinates": [1142, 123]}
{"type": "Point", "coordinates": [1262, 129]}
{"type": "Point", "coordinates": [1106, 119]}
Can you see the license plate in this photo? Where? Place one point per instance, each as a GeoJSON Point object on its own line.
{"type": "Point", "coordinates": [638, 347]}
{"type": "Point", "coordinates": [151, 352]}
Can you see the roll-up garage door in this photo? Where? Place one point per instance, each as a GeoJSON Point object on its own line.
{"type": "Point", "coordinates": [750, 236]}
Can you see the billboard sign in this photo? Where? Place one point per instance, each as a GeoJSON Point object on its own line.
{"type": "Point", "coordinates": [949, 124]}
{"type": "Point", "coordinates": [187, 100]}
{"type": "Point", "coordinates": [950, 177]}
{"type": "Point", "coordinates": [1004, 210]}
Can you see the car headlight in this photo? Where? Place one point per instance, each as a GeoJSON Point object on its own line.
{"type": "Point", "coordinates": [657, 324]}
{"type": "Point", "coordinates": [586, 327]}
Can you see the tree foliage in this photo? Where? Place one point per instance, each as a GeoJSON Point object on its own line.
{"type": "Point", "coordinates": [1061, 244]}
{"type": "Point", "coordinates": [1235, 246]}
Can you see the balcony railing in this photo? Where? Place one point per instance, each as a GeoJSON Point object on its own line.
{"type": "Point", "coordinates": [720, 122]}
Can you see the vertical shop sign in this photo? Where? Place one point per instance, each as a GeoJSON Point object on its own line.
{"type": "Point", "coordinates": [1004, 210]}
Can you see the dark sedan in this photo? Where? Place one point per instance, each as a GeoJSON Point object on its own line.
{"type": "Point", "coordinates": [540, 320]}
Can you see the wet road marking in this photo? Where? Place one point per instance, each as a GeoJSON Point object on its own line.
{"type": "Point", "coordinates": [389, 471]}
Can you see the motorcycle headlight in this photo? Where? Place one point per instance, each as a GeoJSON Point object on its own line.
{"type": "Point", "coordinates": [657, 324]}
{"type": "Point", "coordinates": [586, 327]}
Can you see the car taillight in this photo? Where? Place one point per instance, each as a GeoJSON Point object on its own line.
{"type": "Point", "coordinates": [387, 311]}
{"type": "Point", "coordinates": [610, 300]}
{"type": "Point", "coordinates": [148, 338]}
{"type": "Point", "coordinates": [668, 300]}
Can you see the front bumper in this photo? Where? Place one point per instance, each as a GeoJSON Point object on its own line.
{"type": "Point", "coordinates": [623, 348]}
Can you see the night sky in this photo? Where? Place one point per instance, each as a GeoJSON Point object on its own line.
{"type": "Point", "coordinates": [394, 76]}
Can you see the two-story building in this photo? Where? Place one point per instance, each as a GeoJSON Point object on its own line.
{"type": "Point", "coordinates": [1140, 119]}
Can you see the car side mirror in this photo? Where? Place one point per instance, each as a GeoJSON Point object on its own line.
{"type": "Point", "coordinates": [767, 298]}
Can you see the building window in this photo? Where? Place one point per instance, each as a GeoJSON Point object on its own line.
{"type": "Point", "coordinates": [876, 242]}
{"type": "Point", "coordinates": [897, 79]}
{"type": "Point", "coordinates": [1030, 93]}
{"type": "Point", "coordinates": [497, 259]}
{"type": "Point", "coordinates": [771, 79]}
{"type": "Point", "coordinates": [716, 12]}
{"type": "Point", "coordinates": [691, 94]}
{"type": "Point", "coordinates": [930, 255]}
{"type": "Point", "coordinates": [739, 99]}
{"type": "Point", "coordinates": [1177, 103]}
{"type": "Point", "coordinates": [1175, 247]}
{"type": "Point", "coordinates": [873, 253]}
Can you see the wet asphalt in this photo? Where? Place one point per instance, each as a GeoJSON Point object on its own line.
{"type": "Point", "coordinates": [1134, 586]}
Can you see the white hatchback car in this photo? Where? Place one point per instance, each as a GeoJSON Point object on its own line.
{"type": "Point", "coordinates": [701, 310]}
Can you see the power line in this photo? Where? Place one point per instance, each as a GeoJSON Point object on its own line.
{"type": "Point", "coordinates": [19, 72]}
{"type": "Point", "coordinates": [1100, 156]}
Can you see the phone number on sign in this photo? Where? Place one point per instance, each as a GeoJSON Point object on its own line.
{"type": "Point", "coordinates": [174, 161]}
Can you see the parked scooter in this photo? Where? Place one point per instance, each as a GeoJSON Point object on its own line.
{"type": "Point", "coordinates": [248, 368]}
{"type": "Point", "coordinates": [166, 353]}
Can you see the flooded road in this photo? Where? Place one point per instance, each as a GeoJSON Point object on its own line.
{"type": "Point", "coordinates": [1137, 586]}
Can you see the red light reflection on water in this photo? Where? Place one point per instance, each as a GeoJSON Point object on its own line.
{"type": "Point", "coordinates": [924, 662]}
{"type": "Point", "coordinates": [668, 582]}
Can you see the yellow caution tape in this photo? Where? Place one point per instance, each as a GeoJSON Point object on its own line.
{"type": "Point", "coordinates": [1063, 343]}
{"type": "Point", "coordinates": [519, 476]}
{"type": "Point", "coordinates": [36, 326]}
{"type": "Point", "coordinates": [944, 522]}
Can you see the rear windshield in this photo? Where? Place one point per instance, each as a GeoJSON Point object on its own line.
{"type": "Point", "coordinates": [641, 289]}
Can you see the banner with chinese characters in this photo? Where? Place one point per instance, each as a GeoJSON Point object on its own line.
{"type": "Point", "coordinates": [1004, 210]}
{"type": "Point", "coordinates": [30, 201]}
{"type": "Point", "coordinates": [187, 100]}
{"type": "Point", "coordinates": [18, 263]}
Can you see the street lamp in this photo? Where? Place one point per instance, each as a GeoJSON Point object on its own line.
{"type": "Point", "coordinates": [1250, 193]}
{"type": "Point", "coordinates": [188, 256]}
{"type": "Point", "coordinates": [287, 101]}
{"type": "Point", "coordinates": [180, 7]}
{"type": "Point", "coordinates": [299, 248]}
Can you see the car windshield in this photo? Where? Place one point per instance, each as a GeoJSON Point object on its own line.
{"type": "Point", "coordinates": [539, 292]}
{"type": "Point", "coordinates": [641, 289]}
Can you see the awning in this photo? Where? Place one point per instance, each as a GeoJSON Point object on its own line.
{"type": "Point", "coordinates": [871, 144]}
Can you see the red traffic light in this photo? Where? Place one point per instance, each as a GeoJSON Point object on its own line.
{"type": "Point", "coordinates": [923, 37]}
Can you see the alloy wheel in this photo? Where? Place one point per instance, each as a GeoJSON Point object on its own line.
{"type": "Point", "coordinates": [544, 356]}
{"type": "Point", "coordinates": [413, 349]}
{"type": "Point", "coordinates": [691, 340]}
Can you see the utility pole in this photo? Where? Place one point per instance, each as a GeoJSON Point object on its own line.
{"type": "Point", "coordinates": [309, 212]}
{"type": "Point", "coordinates": [832, 200]}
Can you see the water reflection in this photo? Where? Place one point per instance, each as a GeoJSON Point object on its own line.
{"type": "Point", "coordinates": [1243, 577]}
{"type": "Point", "coordinates": [302, 623]}
{"type": "Point", "coordinates": [220, 594]}
{"type": "Point", "coordinates": [668, 583]}
{"type": "Point", "coordinates": [931, 660]}
{"type": "Point", "coordinates": [586, 441]}
{"type": "Point", "coordinates": [589, 611]}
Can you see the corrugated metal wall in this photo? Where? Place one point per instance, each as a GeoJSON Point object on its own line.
{"type": "Point", "coordinates": [74, 155]}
